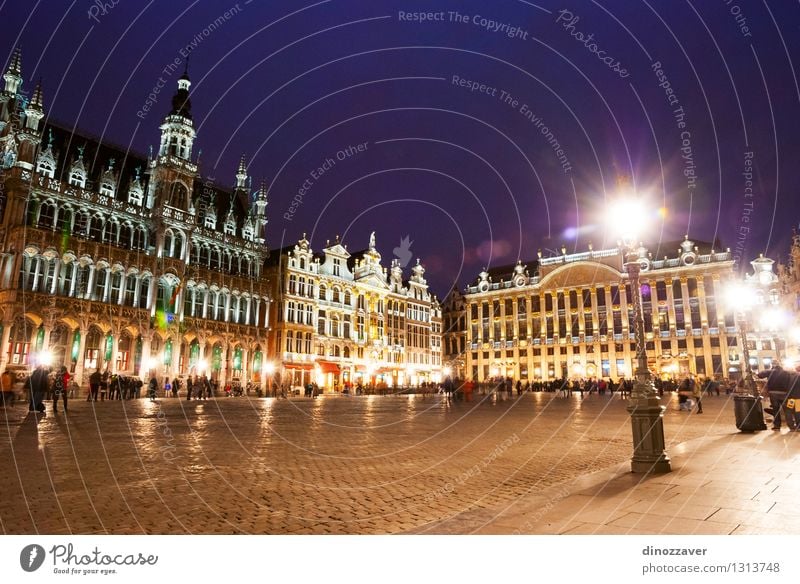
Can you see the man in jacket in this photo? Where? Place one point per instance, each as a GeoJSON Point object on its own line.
{"type": "Point", "coordinates": [38, 385]}
{"type": "Point", "coordinates": [778, 383]}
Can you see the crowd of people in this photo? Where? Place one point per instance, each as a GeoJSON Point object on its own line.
{"type": "Point", "coordinates": [782, 387]}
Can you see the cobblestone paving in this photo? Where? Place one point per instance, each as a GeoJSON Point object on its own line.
{"type": "Point", "coordinates": [303, 466]}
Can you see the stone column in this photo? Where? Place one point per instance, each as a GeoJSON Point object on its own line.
{"type": "Point", "coordinates": [79, 372]}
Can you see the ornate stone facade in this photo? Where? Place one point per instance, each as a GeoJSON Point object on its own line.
{"type": "Point", "coordinates": [126, 263]}
{"type": "Point", "coordinates": [343, 319]}
{"type": "Point", "coordinates": [569, 316]}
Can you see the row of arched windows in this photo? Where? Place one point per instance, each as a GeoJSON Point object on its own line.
{"type": "Point", "coordinates": [82, 223]}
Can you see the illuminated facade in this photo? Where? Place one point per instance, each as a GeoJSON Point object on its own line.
{"type": "Point", "coordinates": [342, 319]}
{"type": "Point", "coordinates": [126, 263]}
{"type": "Point", "coordinates": [569, 316]}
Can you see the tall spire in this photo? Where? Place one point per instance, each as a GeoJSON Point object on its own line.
{"type": "Point", "coordinates": [13, 76]}
{"type": "Point", "coordinates": [181, 104]}
{"type": "Point", "coordinates": [241, 174]}
{"type": "Point", "coordinates": [34, 112]}
{"type": "Point", "coordinates": [36, 100]}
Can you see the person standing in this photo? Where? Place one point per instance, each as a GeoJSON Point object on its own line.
{"type": "Point", "coordinates": [38, 384]}
{"type": "Point", "coordinates": [176, 385]}
{"type": "Point", "coordinates": [60, 383]}
{"type": "Point", "coordinates": [94, 385]}
{"type": "Point", "coordinates": [189, 388]}
{"type": "Point", "coordinates": [777, 388]}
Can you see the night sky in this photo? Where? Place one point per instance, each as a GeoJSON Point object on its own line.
{"type": "Point", "coordinates": [472, 176]}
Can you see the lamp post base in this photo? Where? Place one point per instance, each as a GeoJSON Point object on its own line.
{"type": "Point", "coordinates": [749, 413]}
{"type": "Point", "coordinates": [649, 447]}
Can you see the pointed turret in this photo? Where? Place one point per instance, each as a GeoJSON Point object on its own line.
{"type": "Point", "coordinates": [241, 175]}
{"type": "Point", "coordinates": [13, 75]}
{"type": "Point", "coordinates": [177, 131]}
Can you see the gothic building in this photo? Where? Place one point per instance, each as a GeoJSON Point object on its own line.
{"type": "Point", "coordinates": [342, 318]}
{"type": "Point", "coordinates": [121, 262]}
{"type": "Point", "coordinates": [569, 316]}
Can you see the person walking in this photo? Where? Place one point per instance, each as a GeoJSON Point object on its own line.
{"type": "Point", "coordinates": [152, 387]}
{"type": "Point", "coordinates": [189, 388]}
{"type": "Point", "coordinates": [697, 394]}
{"type": "Point", "coordinates": [60, 383]}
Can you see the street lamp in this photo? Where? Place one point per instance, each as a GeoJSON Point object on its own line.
{"type": "Point", "coordinates": [647, 413]}
{"type": "Point", "coordinates": [746, 403]}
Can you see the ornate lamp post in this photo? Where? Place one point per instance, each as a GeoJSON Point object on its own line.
{"type": "Point", "coordinates": [746, 402]}
{"type": "Point", "coordinates": [647, 422]}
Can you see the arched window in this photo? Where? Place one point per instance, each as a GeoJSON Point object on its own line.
{"type": "Point", "coordinates": [168, 241]}
{"type": "Point", "coordinates": [144, 291]}
{"type": "Point", "coordinates": [77, 178]}
{"type": "Point", "coordinates": [45, 167]}
{"type": "Point", "coordinates": [47, 215]}
{"type": "Point", "coordinates": [334, 326]}
{"type": "Point", "coordinates": [322, 292]}
{"type": "Point", "coordinates": [100, 279]}
{"type": "Point", "coordinates": [336, 294]}
{"type": "Point", "coordinates": [347, 299]}
{"type": "Point", "coordinates": [116, 286]}
{"type": "Point", "coordinates": [140, 238]}
{"type": "Point", "coordinates": [64, 220]}
{"type": "Point", "coordinates": [177, 245]}
{"type": "Point", "coordinates": [96, 228]}
{"type": "Point", "coordinates": [66, 278]}
{"type": "Point", "coordinates": [82, 280]}
{"type": "Point", "coordinates": [346, 353]}
{"type": "Point", "coordinates": [81, 227]}
{"type": "Point", "coordinates": [130, 290]}
{"type": "Point", "coordinates": [110, 232]}
{"type": "Point", "coordinates": [125, 235]}
{"type": "Point", "coordinates": [242, 310]}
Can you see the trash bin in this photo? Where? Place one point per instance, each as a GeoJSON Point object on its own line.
{"type": "Point", "coordinates": [749, 413]}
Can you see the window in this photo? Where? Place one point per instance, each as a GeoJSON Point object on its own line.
{"type": "Point", "coordinates": [45, 167]}
{"type": "Point", "coordinates": [77, 179]}
{"type": "Point", "coordinates": [322, 291]}
{"type": "Point", "coordinates": [47, 214]}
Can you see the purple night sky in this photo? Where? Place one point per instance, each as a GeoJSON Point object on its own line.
{"type": "Point", "coordinates": [683, 96]}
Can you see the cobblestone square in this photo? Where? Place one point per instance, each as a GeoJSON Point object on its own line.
{"type": "Point", "coordinates": [362, 465]}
